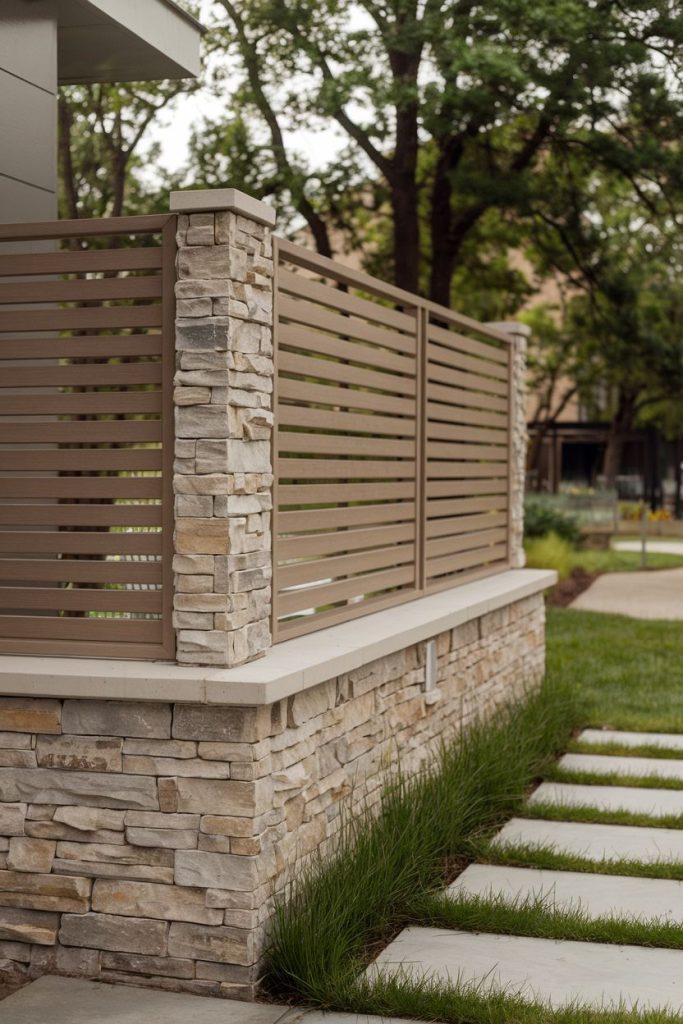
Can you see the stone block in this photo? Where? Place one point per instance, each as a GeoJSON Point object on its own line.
{"type": "Point", "coordinates": [96, 869]}
{"type": "Point", "coordinates": [80, 753]}
{"type": "Point", "coordinates": [19, 951]}
{"type": "Point", "coordinates": [56, 830]}
{"type": "Point", "coordinates": [191, 768]}
{"type": "Point", "coordinates": [160, 902]}
{"type": "Point", "coordinates": [216, 825]}
{"type": "Point", "coordinates": [117, 718]}
{"type": "Point", "coordinates": [213, 844]}
{"type": "Point", "coordinates": [201, 536]}
{"type": "Point", "coordinates": [26, 854]}
{"type": "Point", "coordinates": [164, 838]}
{"type": "Point", "coordinates": [109, 931]}
{"type": "Point", "coordinates": [17, 758]}
{"type": "Point", "coordinates": [12, 817]}
{"type": "Point", "coordinates": [218, 723]}
{"type": "Point", "coordinates": [132, 963]}
{"type": "Point", "coordinates": [154, 819]}
{"type": "Point", "coordinates": [215, 870]}
{"type": "Point", "coordinates": [222, 945]}
{"type": "Point", "coordinates": [20, 925]}
{"type": "Point", "coordinates": [103, 853]}
{"type": "Point", "coordinates": [221, 796]}
{"type": "Point", "coordinates": [56, 786]}
{"type": "Point", "coordinates": [72, 962]}
{"type": "Point", "coordinates": [90, 819]}
{"type": "Point", "coordinates": [16, 740]}
{"type": "Point", "coordinates": [30, 714]}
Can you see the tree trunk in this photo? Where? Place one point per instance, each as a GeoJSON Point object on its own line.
{"type": "Point", "coordinates": [621, 424]}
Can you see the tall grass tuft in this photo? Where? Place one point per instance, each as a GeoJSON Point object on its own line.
{"type": "Point", "coordinates": [338, 910]}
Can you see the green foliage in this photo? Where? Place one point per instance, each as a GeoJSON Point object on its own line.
{"type": "Point", "coordinates": [549, 552]}
{"type": "Point", "coordinates": [338, 908]}
{"type": "Point", "coordinates": [542, 517]}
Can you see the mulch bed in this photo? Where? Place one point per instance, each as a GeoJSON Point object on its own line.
{"type": "Point", "coordinates": [564, 592]}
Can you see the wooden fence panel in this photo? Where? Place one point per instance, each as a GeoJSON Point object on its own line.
{"type": "Point", "coordinates": [391, 450]}
{"type": "Point", "coordinates": [86, 438]}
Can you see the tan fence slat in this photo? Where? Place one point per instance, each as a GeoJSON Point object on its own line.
{"type": "Point", "coordinates": [456, 488]}
{"type": "Point", "coordinates": [313, 544]}
{"type": "Point", "coordinates": [459, 434]}
{"type": "Point", "coordinates": [301, 312]}
{"type": "Point", "coordinates": [293, 601]}
{"type": "Point", "coordinates": [98, 289]}
{"type": "Point", "coordinates": [457, 341]}
{"type": "Point", "coordinates": [458, 396]}
{"type": "Point", "coordinates": [327, 369]}
{"type": "Point", "coordinates": [469, 381]}
{"type": "Point", "coordinates": [464, 542]}
{"type": "Point", "coordinates": [461, 506]}
{"type": "Point", "coordinates": [463, 524]}
{"type": "Point", "coordinates": [119, 631]}
{"type": "Point", "coordinates": [340, 469]}
{"type": "Point", "coordinates": [83, 486]}
{"type": "Point", "coordinates": [101, 403]}
{"type": "Point", "coordinates": [75, 570]}
{"type": "Point", "coordinates": [296, 336]}
{"type": "Point", "coordinates": [326, 419]}
{"type": "Point", "coordinates": [442, 356]}
{"type": "Point", "coordinates": [338, 444]}
{"type": "Point", "coordinates": [93, 227]}
{"type": "Point", "coordinates": [124, 375]}
{"type": "Point", "coordinates": [337, 518]}
{"type": "Point", "coordinates": [315, 291]}
{"type": "Point", "coordinates": [81, 599]}
{"type": "Point", "coordinates": [307, 494]}
{"type": "Point", "coordinates": [324, 569]}
{"type": "Point", "coordinates": [460, 414]}
{"type": "Point", "coordinates": [80, 515]}
{"type": "Point", "coordinates": [80, 460]}
{"type": "Point", "coordinates": [90, 261]}
{"type": "Point", "coordinates": [465, 470]}
{"type": "Point", "coordinates": [83, 542]}
{"type": "Point", "coordinates": [103, 318]}
{"type": "Point", "coordinates": [348, 398]}
{"type": "Point", "coordinates": [94, 346]}
{"type": "Point", "coordinates": [443, 450]}
{"type": "Point", "coordinates": [440, 566]}
{"type": "Point", "coordinates": [74, 432]}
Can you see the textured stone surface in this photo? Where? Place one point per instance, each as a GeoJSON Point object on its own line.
{"type": "Point", "coordinates": [26, 714]}
{"type": "Point", "coordinates": [230, 945]}
{"type": "Point", "coordinates": [26, 854]}
{"type": "Point", "coordinates": [215, 870]}
{"type": "Point", "coordinates": [601, 764]}
{"type": "Point", "coordinates": [53, 786]}
{"type": "Point", "coordinates": [12, 817]}
{"type": "Point", "coordinates": [116, 718]}
{"type": "Point", "coordinates": [658, 802]}
{"type": "Point", "coordinates": [107, 931]}
{"type": "Point", "coordinates": [28, 926]}
{"type": "Point", "coordinates": [597, 842]}
{"type": "Point", "coordinates": [671, 741]}
{"type": "Point", "coordinates": [162, 902]}
{"type": "Point", "coordinates": [82, 753]}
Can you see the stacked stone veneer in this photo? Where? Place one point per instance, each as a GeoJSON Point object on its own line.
{"type": "Point", "coordinates": [223, 478]}
{"type": "Point", "coordinates": [144, 842]}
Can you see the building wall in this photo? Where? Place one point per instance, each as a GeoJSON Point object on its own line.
{"type": "Point", "coordinates": [28, 114]}
{"type": "Point", "coordinates": [145, 842]}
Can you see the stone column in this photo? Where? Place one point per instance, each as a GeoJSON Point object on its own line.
{"type": "Point", "coordinates": [223, 397]}
{"type": "Point", "coordinates": [520, 334]}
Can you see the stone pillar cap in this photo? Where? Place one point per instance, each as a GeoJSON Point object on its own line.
{"type": "Point", "coordinates": [210, 200]}
{"type": "Point", "coordinates": [511, 327]}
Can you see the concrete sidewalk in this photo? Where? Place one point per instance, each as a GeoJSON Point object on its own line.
{"type": "Point", "coordinates": [641, 595]}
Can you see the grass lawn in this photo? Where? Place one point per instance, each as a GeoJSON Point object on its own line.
{"type": "Point", "coordinates": [622, 561]}
{"type": "Point", "coordinates": [627, 672]}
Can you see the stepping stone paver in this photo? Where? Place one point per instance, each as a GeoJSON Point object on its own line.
{"type": "Point", "coordinates": [604, 764]}
{"type": "Point", "coordinates": [598, 842]}
{"type": "Point", "coordinates": [539, 969]}
{"type": "Point", "coordinates": [637, 800]}
{"type": "Point", "coordinates": [596, 895]}
{"type": "Point", "coordinates": [670, 741]}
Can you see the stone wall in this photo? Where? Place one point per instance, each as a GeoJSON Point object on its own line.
{"type": "Point", "coordinates": [144, 842]}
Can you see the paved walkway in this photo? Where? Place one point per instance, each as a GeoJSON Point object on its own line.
{"type": "Point", "coordinates": [641, 595]}
{"type": "Point", "coordinates": [561, 972]}
{"type": "Point", "coordinates": [657, 547]}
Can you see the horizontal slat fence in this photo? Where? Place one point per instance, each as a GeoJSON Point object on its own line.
{"type": "Point", "coordinates": [391, 445]}
{"type": "Point", "coordinates": [86, 437]}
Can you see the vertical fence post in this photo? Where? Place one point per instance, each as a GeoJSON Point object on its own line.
{"type": "Point", "coordinates": [518, 438]}
{"type": "Point", "coordinates": [223, 397]}
{"type": "Point", "coordinates": [422, 315]}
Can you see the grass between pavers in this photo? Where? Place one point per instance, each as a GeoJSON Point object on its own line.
{"type": "Point", "coordinates": [522, 855]}
{"type": "Point", "coordinates": [599, 816]}
{"type": "Point", "coordinates": [578, 778]}
{"type": "Point", "coordinates": [623, 750]}
{"type": "Point", "coordinates": [537, 917]}
{"type": "Point", "coordinates": [340, 911]}
{"type": "Point", "coordinates": [629, 672]}
{"type": "Point", "coordinates": [622, 561]}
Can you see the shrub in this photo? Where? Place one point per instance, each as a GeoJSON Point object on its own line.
{"type": "Point", "coordinates": [550, 552]}
{"type": "Point", "coordinates": [542, 518]}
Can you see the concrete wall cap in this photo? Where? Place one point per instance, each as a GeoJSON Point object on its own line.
{"type": "Point", "coordinates": [204, 200]}
{"type": "Point", "coordinates": [511, 327]}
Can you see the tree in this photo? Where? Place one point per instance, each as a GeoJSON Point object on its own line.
{"type": "Point", "coordinates": [489, 89]}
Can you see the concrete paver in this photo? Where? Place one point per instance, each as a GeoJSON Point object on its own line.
{"type": "Point", "coordinates": [659, 547]}
{"type": "Point", "coordinates": [598, 842]}
{"type": "Point", "coordinates": [51, 1000]}
{"type": "Point", "coordinates": [636, 799]}
{"type": "Point", "coordinates": [669, 740]}
{"type": "Point", "coordinates": [640, 595]}
{"type": "Point", "coordinates": [605, 764]}
{"type": "Point", "coordinates": [539, 969]}
{"type": "Point", "coordinates": [595, 895]}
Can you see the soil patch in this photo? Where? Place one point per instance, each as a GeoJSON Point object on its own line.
{"type": "Point", "coordinates": [564, 592]}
